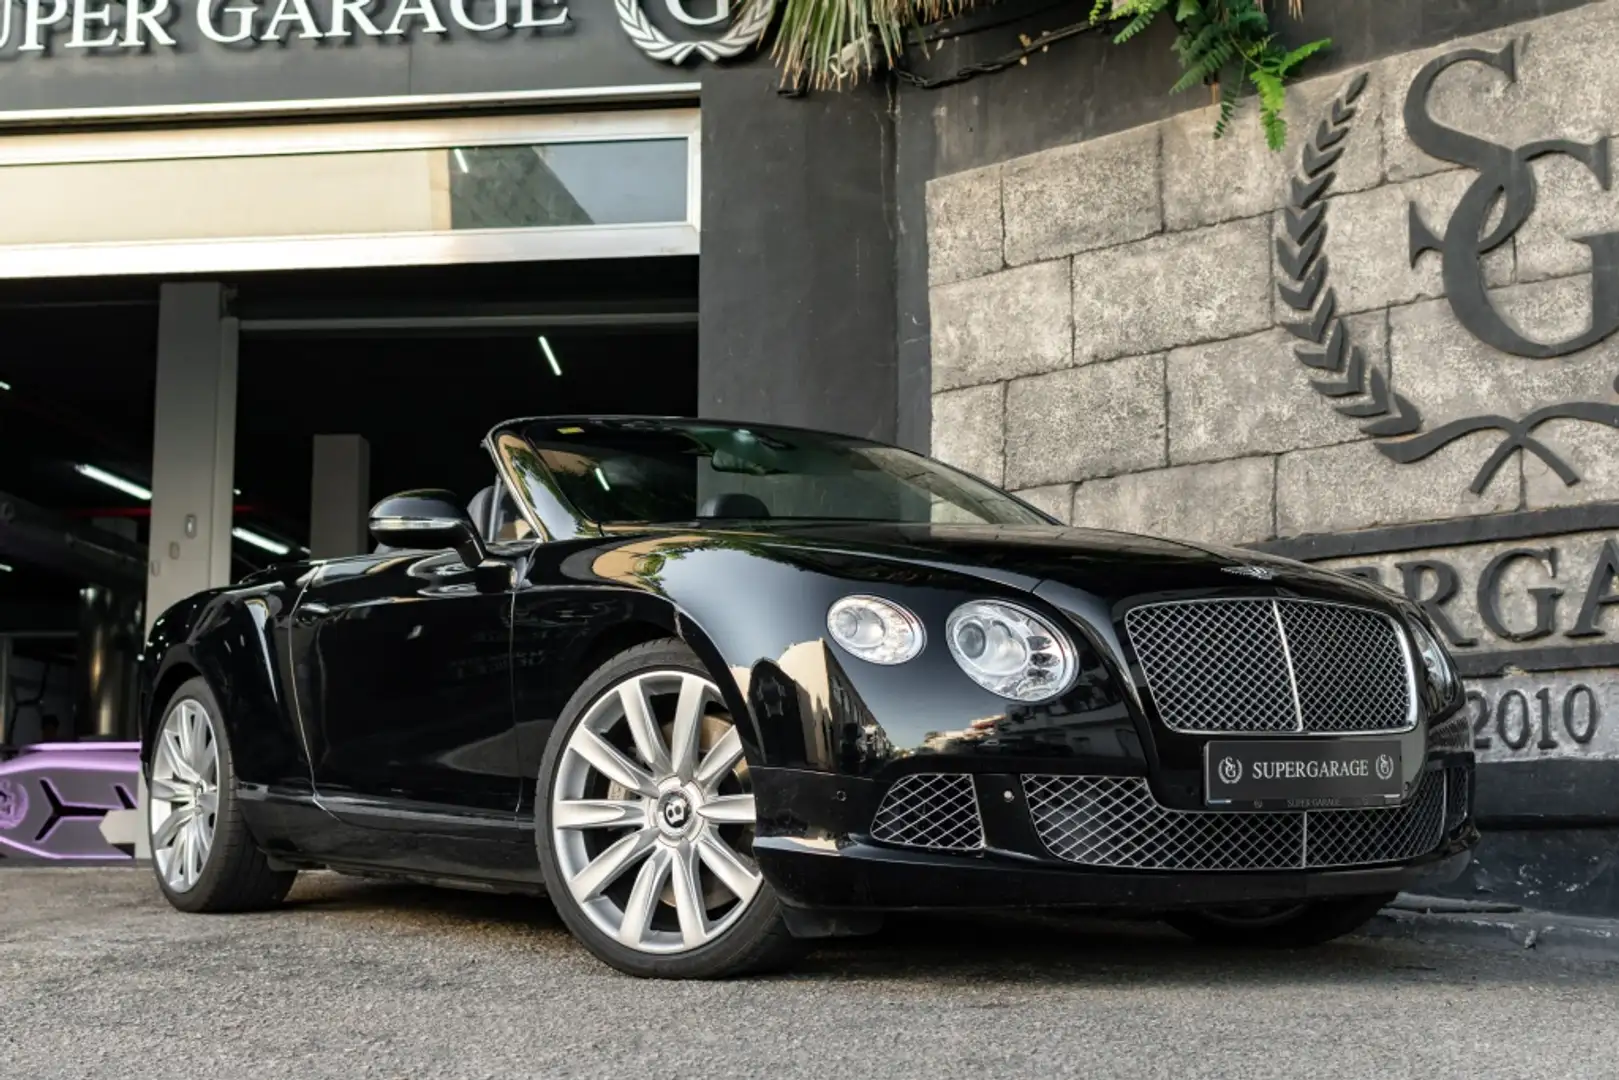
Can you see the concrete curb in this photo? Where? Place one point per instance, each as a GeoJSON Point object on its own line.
{"type": "Point", "coordinates": [1436, 920]}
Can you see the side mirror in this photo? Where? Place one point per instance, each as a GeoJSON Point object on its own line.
{"type": "Point", "coordinates": [427, 520]}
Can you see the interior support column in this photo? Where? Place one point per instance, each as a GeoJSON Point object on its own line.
{"type": "Point", "coordinates": [193, 445]}
{"type": "Point", "coordinates": [109, 640]}
{"type": "Point", "coordinates": [339, 496]}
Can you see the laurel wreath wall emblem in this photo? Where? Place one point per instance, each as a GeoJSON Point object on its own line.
{"type": "Point", "coordinates": [1391, 419]}
{"type": "Point", "coordinates": [743, 34]}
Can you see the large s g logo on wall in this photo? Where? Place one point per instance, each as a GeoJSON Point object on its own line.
{"type": "Point", "coordinates": [1504, 179]}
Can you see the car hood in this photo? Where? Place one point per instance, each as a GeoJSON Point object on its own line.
{"type": "Point", "coordinates": [1107, 564]}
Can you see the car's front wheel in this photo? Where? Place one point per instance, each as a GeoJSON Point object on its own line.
{"type": "Point", "coordinates": [647, 822]}
{"type": "Point", "coordinates": [1285, 926]}
{"type": "Point", "coordinates": [204, 858]}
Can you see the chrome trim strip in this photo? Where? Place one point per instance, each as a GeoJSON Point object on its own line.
{"type": "Point", "coordinates": [299, 107]}
{"type": "Point", "coordinates": [1304, 836]}
{"type": "Point", "coordinates": [346, 251]}
{"type": "Point", "coordinates": [359, 806]}
{"type": "Point", "coordinates": [406, 524]}
{"type": "Point", "coordinates": [1292, 672]}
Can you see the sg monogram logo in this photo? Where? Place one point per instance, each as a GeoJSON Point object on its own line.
{"type": "Point", "coordinates": [1505, 178]}
{"type": "Point", "coordinates": [742, 34]}
{"type": "Point", "coordinates": [677, 8]}
{"type": "Point", "coordinates": [1505, 182]}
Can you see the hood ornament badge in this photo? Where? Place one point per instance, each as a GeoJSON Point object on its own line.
{"type": "Point", "coordinates": [1262, 573]}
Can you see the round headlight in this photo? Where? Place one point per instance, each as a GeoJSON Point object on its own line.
{"type": "Point", "coordinates": [875, 629]}
{"type": "Point", "coordinates": [1010, 651]}
{"type": "Point", "coordinates": [1441, 675]}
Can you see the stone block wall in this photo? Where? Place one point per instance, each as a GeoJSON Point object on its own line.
{"type": "Point", "coordinates": [1109, 341]}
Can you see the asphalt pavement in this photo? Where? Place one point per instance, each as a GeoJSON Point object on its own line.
{"type": "Point", "coordinates": [99, 978]}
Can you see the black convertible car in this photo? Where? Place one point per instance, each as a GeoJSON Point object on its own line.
{"type": "Point", "coordinates": [720, 688]}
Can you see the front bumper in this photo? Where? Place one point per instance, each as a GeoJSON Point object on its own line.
{"type": "Point", "coordinates": [821, 845]}
{"type": "Point", "coordinates": [866, 877]}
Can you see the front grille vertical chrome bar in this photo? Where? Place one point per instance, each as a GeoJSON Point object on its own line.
{"type": "Point", "coordinates": [1287, 659]}
{"type": "Point", "coordinates": [1304, 848]}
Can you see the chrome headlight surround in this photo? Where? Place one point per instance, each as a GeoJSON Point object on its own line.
{"type": "Point", "coordinates": [1010, 650]}
{"type": "Point", "coordinates": [878, 631]}
{"type": "Point", "coordinates": [1436, 661]}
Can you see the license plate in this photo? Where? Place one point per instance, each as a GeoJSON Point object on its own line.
{"type": "Point", "coordinates": [1300, 774]}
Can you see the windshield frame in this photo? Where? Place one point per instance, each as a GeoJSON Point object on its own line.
{"type": "Point", "coordinates": [559, 517]}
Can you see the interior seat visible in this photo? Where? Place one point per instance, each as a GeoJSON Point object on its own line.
{"type": "Point", "coordinates": [508, 523]}
{"type": "Point", "coordinates": [479, 510]}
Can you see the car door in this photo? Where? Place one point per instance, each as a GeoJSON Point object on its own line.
{"type": "Point", "coordinates": [404, 686]}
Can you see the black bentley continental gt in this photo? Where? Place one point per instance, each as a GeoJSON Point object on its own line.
{"type": "Point", "coordinates": [720, 688]}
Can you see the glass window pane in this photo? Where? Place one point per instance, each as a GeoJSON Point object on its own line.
{"type": "Point", "coordinates": [596, 183]}
{"type": "Point", "coordinates": [366, 193]}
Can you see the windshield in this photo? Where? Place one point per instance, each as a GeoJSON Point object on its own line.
{"type": "Point", "coordinates": [658, 471]}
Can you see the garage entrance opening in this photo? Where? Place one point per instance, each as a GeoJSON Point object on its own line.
{"type": "Point", "coordinates": [353, 385]}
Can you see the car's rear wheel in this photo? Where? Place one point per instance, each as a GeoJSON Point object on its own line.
{"type": "Point", "coordinates": [1285, 926]}
{"type": "Point", "coordinates": [201, 852]}
{"type": "Point", "coordinates": [645, 836]}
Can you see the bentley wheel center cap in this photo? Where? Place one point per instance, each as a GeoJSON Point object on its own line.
{"type": "Point", "coordinates": [675, 814]}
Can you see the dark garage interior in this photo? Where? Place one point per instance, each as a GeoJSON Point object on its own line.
{"type": "Point", "coordinates": [420, 362]}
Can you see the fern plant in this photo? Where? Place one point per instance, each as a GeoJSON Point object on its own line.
{"type": "Point", "coordinates": [1223, 44]}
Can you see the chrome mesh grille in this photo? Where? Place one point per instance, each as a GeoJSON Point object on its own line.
{"type": "Point", "coordinates": [1114, 821]}
{"type": "Point", "coordinates": [1380, 834]}
{"type": "Point", "coordinates": [930, 810]}
{"type": "Point", "coordinates": [1350, 666]}
{"type": "Point", "coordinates": [1215, 666]}
{"type": "Point", "coordinates": [1262, 665]}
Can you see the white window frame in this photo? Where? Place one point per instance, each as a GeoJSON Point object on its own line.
{"type": "Point", "coordinates": [243, 254]}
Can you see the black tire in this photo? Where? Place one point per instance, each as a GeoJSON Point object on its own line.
{"type": "Point", "coordinates": [1313, 922]}
{"type": "Point", "coordinates": [758, 941]}
{"type": "Point", "coordinates": [236, 876]}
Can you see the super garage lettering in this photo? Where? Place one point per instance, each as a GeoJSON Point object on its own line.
{"type": "Point", "coordinates": [1514, 594]}
{"type": "Point", "coordinates": [1310, 770]}
{"type": "Point", "coordinates": [43, 25]}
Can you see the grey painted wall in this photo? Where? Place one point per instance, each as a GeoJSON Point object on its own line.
{"type": "Point", "coordinates": [796, 321]}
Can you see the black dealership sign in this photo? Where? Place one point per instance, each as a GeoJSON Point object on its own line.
{"type": "Point", "coordinates": [90, 56]}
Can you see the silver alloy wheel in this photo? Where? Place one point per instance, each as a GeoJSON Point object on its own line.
{"type": "Point", "coordinates": [653, 775]}
{"type": "Point", "coordinates": [184, 799]}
